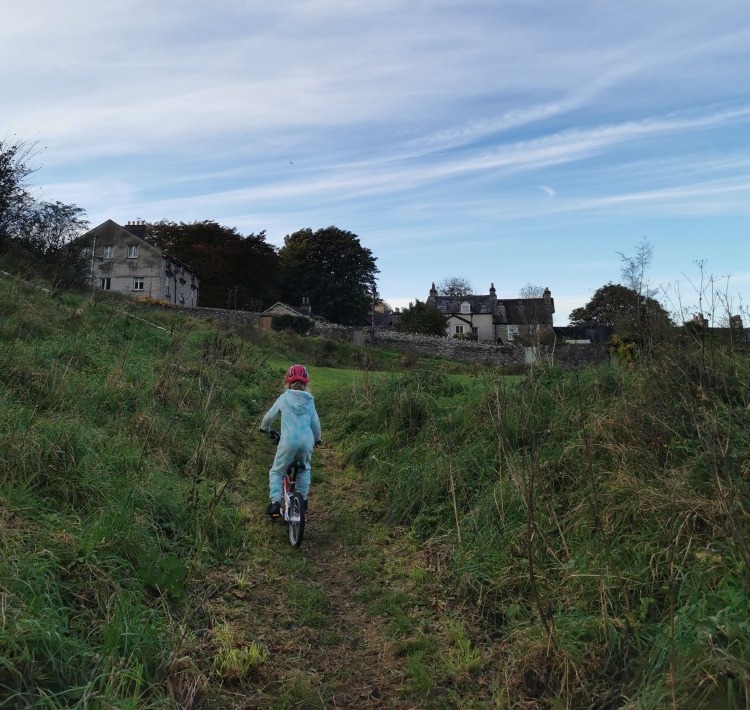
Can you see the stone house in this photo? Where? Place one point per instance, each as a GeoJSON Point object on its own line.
{"type": "Point", "coordinates": [122, 260]}
{"type": "Point", "coordinates": [494, 320]}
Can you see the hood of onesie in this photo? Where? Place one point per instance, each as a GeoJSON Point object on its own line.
{"type": "Point", "coordinates": [300, 402]}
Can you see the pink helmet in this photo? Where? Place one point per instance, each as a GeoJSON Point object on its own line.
{"type": "Point", "coordinates": [297, 373]}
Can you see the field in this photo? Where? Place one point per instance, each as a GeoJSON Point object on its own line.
{"type": "Point", "coordinates": [557, 540]}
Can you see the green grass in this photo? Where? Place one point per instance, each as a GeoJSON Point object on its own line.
{"type": "Point", "coordinates": [576, 539]}
{"type": "Point", "coordinates": [594, 511]}
{"type": "Point", "coordinates": [117, 440]}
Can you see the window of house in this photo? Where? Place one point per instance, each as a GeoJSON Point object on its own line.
{"type": "Point", "coordinates": [512, 332]}
{"type": "Point", "coordinates": [132, 251]}
{"type": "Point", "coordinates": [459, 330]}
{"type": "Point", "coordinates": [465, 307]}
{"type": "Point", "coordinates": [182, 296]}
{"type": "Point", "coordinates": [108, 252]}
{"type": "Point", "coordinates": [138, 283]}
{"type": "Point", "coordinates": [105, 284]}
{"type": "Point", "coordinates": [475, 331]}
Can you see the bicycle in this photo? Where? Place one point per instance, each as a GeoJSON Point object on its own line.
{"type": "Point", "coordinates": [293, 505]}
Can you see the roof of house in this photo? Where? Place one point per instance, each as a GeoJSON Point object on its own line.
{"type": "Point", "coordinates": [273, 310]}
{"type": "Point", "coordinates": [506, 310]}
{"type": "Point", "coordinates": [452, 304]}
{"type": "Point", "coordinates": [110, 227]}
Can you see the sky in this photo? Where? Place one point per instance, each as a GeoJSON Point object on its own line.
{"type": "Point", "coordinates": [511, 142]}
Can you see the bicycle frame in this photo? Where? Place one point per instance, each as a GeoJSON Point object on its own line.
{"type": "Point", "coordinates": [289, 488]}
{"type": "Point", "coordinates": [292, 504]}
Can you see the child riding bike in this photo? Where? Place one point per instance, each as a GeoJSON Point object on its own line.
{"type": "Point", "coordinates": [300, 431]}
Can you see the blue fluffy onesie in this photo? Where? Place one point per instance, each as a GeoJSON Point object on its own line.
{"type": "Point", "coordinates": [300, 429]}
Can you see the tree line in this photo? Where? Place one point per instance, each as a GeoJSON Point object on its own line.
{"type": "Point", "coordinates": [328, 266]}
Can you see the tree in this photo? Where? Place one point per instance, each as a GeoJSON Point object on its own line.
{"type": "Point", "coordinates": [15, 199]}
{"type": "Point", "coordinates": [41, 229]}
{"type": "Point", "coordinates": [532, 291]}
{"type": "Point", "coordinates": [633, 270]}
{"type": "Point", "coordinates": [48, 230]}
{"type": "Point", "coordinates": [333, 269]}
{"type": "Point", "coordinates": [623, 309]}
{"type": "Point", "coordinates": [454, 286]}
{"type": "Point", "coordinates": [422, 318]}
{"type": "Point", "coordinates": [537, 317]}
{"type": "Point", "coordinates": [236, 271]}
{"type": "Point", "coordinates": [49, 226]}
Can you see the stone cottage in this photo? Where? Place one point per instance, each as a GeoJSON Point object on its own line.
{"type": "Point", "coordinates": [122, 260]}
{"type": "Point", "coordinates": [494, 320]}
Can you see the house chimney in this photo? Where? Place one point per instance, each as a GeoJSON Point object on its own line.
{"type": "Point", "coordinates": [548, 302]}
{"type": "Point", "coordinates": [433, 295]}
{"type": "Point", "coordinates": [305, 309]}
{"type": "Point", "coordinates": [137, 227]}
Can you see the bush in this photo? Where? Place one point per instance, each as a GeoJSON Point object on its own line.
{"type": "Point", "coordinates": [295, 324]}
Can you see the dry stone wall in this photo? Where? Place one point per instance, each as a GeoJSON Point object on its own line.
{"type": "Point", "coordinates": [426, 345]}
{"type": "Point", "coordinates": [449, 348]}
{"type": "Point", "coordinates": [223, 315]}
{"type": "Point", "coordinates": [468, 351]}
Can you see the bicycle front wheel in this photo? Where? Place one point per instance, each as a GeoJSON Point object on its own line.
{"type": "Point", "coordinates": [295, 524]}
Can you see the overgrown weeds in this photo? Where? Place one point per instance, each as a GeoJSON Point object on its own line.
{"type": "Point", "coordinates": [118, 441]}
{"type": "Point", "coordinates": [597, 519]}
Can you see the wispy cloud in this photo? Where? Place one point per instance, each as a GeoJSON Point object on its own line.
{"type": "Point", "coordinates": [421, 123]}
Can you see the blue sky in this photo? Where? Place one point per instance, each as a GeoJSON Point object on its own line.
{"type": "Point", "coordinates": [507, 142]}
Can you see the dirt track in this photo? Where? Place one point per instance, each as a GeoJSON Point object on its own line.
{"type": "Point", "coordinates": [315, 609]}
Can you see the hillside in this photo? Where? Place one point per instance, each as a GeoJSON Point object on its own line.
{"type": "Point", "coordinates": [566, 539]}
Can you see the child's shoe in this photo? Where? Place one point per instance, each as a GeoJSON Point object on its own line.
{"type": "Point", "coordinates": [274, 509]}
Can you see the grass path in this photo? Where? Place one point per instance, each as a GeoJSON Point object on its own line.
{"type": "Point", "coordinates": [351, 619]}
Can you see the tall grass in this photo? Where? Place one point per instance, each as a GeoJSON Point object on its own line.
{"type": "Point", "coordinates": [117, 442]}
{"type": "Point", "coordinates": [597, 519]}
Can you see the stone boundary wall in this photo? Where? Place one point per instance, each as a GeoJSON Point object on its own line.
{"type": "Point", "coordinates": [341, 333]}
{"type": "Point", "coordinates": [428, 345]}
{"type": "Point", "coordinates": [449, 348]}
{"type": "Point", "coordinates": [469, 351]}
{"type": "Point", "coordinates": [223, 315]}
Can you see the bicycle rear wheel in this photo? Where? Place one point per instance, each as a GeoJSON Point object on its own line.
{"type": "Point", "coordinates": [295, 524]}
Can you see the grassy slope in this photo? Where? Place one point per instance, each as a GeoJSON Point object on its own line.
{"type": "Point", "coordinates": [598, 520]}
{"type": "Point", "coordinates": [116, 441]}
{"type": "Point", "coordinates": [132, 485]}
{"type": "Point", "coordinates": [485, 543]}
